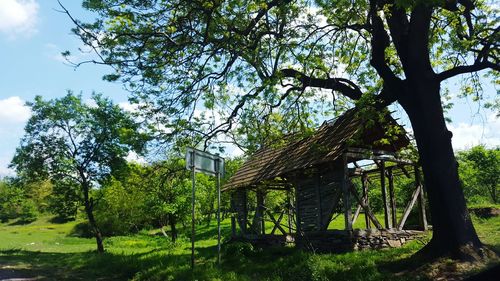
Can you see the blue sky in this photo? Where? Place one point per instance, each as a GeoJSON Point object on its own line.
{"type": "Point", "coordinates": [33, 34]}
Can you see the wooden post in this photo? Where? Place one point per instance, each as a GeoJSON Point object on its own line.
{"type": "Point", "coordinates": [297, 211]}
{"type": "Point", "coordinates": [258, 221]}
{"type": "Point", "coordinates": [387, 221]}
{"type": "Point", "coordinates": [392, 197]}
{"type": "Point", "coordinates": [421, 200]}
{"type": "Point", "coordinates": [243, 212]}
{"type": "Point", "coordinates": [290, 212]}
{"type": "Point", "coordinates": [233, 226]}
{"type": "Point", "coordinates": [364, 183]}
{"type": "Point", "coordinates": [318, 200]}
{"type": "Point", "coordinates": [346, 195]}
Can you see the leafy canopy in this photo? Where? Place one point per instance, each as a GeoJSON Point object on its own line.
{"type": "Point", "coordinates": [292, 61]}
{"type": "Point", "coordinates": [72, 142]}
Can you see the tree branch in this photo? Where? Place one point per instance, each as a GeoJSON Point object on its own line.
{"type": "Point", "coordinates": [380, 41]}
{"type": "Point", "coordinates": [467, 69]}
{"type": "Point", "coordinates": [399, 28]}
{"type": "Point", "coordinates": [341, 85]}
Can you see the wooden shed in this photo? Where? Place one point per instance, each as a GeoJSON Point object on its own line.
{"type": "Point", "coordinates": [316, 174]}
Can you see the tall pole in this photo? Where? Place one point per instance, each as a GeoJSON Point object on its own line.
{"type": "Point", "coordinates": [218, 210]}
{"type": "Point", "coordinates": [192, 205]}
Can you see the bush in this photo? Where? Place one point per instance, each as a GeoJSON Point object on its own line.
{"type": "Point", "coordinates": [28, 211]}
{"type": "Point", "coordinates": [235, 249]}
{"type": "Point", "coordinates": [82, 230]}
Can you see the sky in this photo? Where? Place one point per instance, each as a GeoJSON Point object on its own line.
{"type": "Point", "coordinates": [33, 33]}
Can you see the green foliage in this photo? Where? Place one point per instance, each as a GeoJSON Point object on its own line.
{"type": "Point", "coordinates": [49, 253]}
{"type": "Point", "coordinates": [75, 144]}
{"type": "Point", "coordinates": [122, 209]}
{"type": "Point", "coordinates": [64, 200]}
{"type": "Point", "coordinates": [14, 204]}
{"type": "Point", "coordinates": [479, 170]}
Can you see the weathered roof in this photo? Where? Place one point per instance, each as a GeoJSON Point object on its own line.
{"type": "Point", "coordinates": [325, 145]}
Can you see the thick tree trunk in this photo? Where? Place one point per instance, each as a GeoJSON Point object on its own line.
{"type": "Point", "coordinates": [453, 232]}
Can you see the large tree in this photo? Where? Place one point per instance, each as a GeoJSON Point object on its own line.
{"type": "Point", "coordinates": [248, 59]}
{"type": "Point", "coordinates": [73, 143]}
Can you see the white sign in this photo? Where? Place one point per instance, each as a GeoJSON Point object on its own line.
{"type": "Point", "coordinates": [204, 162]}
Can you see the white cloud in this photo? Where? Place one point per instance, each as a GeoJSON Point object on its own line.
{"type": "Point", "coordinates": [13, 111]}
{"type": "Point", "coordinates": [18, 17]}
{"type": "Point", "coordinates": [13, 116]}
{"type": "Point", "coordinates": [135, 158]}
{"type": "Point", "coordinates": [466, 135]}
{"type": "Point", "coordinates": [4, 170]}
{"type": "Point", "coordinates": [132, 108]}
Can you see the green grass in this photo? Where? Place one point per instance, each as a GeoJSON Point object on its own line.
{"type": "Point", "coordinates": [45, 250]}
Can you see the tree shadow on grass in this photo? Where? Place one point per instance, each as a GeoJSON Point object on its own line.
{"type": "Point", "coordinates": [152, 265]}
{"type": "Point", "coordinates": [442, 269]}
{"type": "Point", "coordinates": [66, 266]}
{"type": "Point", "coordinates": [60, 220]}
{"type": "Point", "coordinates": [20, 222]}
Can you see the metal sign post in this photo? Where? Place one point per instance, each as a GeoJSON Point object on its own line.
{"type": "Point", "coordinates": [192, 205]}
{"type": "Point", "coordinates": [218, 209]}
{"type": "Point", "coordinates": [207, 163]}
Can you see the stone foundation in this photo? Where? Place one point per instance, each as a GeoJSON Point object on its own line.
{"type": "Point", "coordinates": [341, 241]}
{"type": "Point", "coordinates": [337, 240]}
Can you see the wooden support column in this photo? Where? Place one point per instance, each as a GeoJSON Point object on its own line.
{"type": "Point", "coordinates": [241, 208]}
{"type": "Point", "coordinates": [258, 221]}
{"type": "Point", "coordinates": [233, 226]}
{"type": "Point", "coordinates": [290, 211]}
{"type": "Point", "coordinates": [387, 215]}
{"type": "Point", "coordinates": [318, 200]}
{"type": "Point", "coordinates": [421, 200]}
{"type": "Point", "coordinates": [364, 184]}
{"type": "Point", "coordinates": [298, 219]}
{"type": "Point", "coordinates": [392, 197]}
{"type": "Point", "coordinates": [346, 195]}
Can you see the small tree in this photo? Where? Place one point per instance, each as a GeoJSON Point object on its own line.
{"type": "Point", "coordinates": [479, 169]}
{"type": "Point", "coordinates": [69, 141]}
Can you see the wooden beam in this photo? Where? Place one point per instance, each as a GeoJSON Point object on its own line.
{"type": "Point", "coordinates": [276, 223]}
{"type": "Point", "coordinates": [366, 208]}
{"type": "Point", "coordinates": [370, 151]}
{"type": "Point", "coordinates": [233, 226]}
{"type": "Point", "coordinates": [421, 201]}
{"type": "Point", "coordinates": [409, 207]}
{"type": "Point", "coordinates": [392, 198]}
{"type": "Point", "coordinates": [357, 156]}
{"type": "Point", "coordinates": [356, 214]}
{"type": "Point", "coordinates": [364, 184]}
{"type": "Point", "coordinates": [403, 169]}
{"type": "Point", "coordinates": [387, 220]}
{"type": "Point", "coordinates": [297, 212]}
{"type": "Point", "coordinates": [346, 195]}
{"type": "Point", "coordinates": [290, 211]}
{"type": "Point", "coordinates": [318, 199]}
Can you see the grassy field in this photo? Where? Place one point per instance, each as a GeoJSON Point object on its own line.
{"type": "Point", "coordinates": [47, 251]}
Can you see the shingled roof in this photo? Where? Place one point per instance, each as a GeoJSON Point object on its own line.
{"type": "Point", "coordinates": [325, 145]}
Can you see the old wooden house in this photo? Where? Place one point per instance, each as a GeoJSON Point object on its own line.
{"type": "Point", "coordinates": [326, 175]}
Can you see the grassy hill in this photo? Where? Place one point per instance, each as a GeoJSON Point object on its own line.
{"type": "Point", "coordinates": [48, 251]}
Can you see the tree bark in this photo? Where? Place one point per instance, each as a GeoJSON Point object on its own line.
{"type": "Point", "coordinates": [453, 232]}
{"type": "Point", "coordinates": [172, 222]}
{"type": "Point", "coordinates": [89, 210]}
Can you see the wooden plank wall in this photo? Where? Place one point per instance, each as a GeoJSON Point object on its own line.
{"type": "Point", "coordinates": [239, 206]}
{"type": "Point", "coordinates": [318, 193]}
